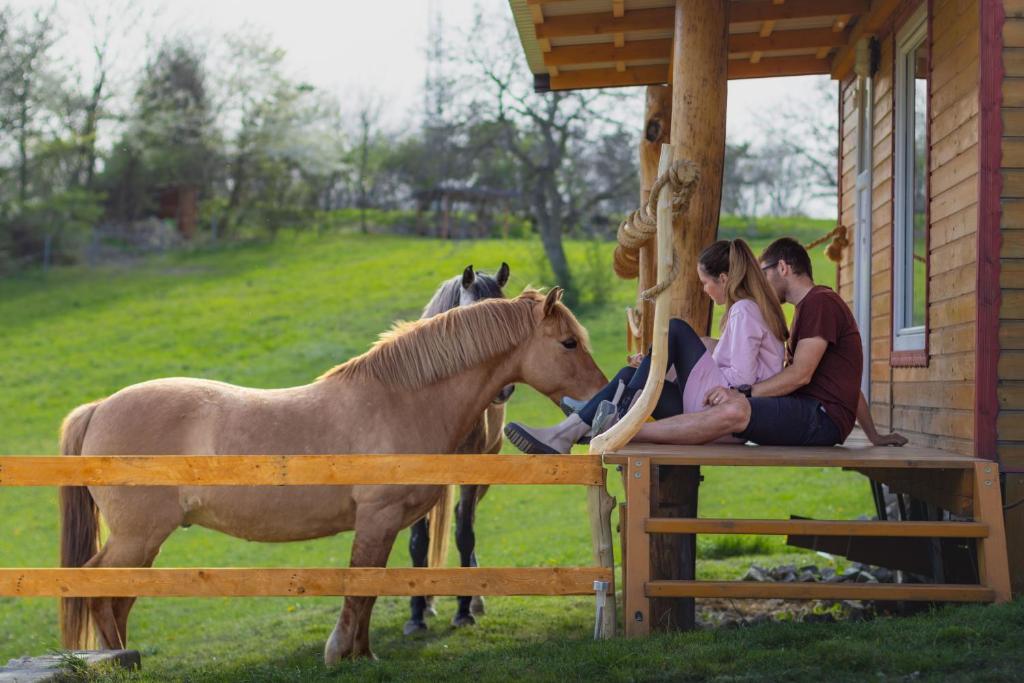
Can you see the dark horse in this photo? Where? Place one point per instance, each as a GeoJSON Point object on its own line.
{"type": "Point", "coordinates": [461, 290]}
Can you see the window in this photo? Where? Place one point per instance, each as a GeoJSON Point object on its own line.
{"type": "Point", "coordinates": [910, 211]}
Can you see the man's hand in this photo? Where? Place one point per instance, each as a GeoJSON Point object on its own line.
{"type": "Point", "coordinates": [891, 439]}
{"type": "Point", "coordinates": [720, 395]}
{"type": "Point", "coordinates": [635, 360]}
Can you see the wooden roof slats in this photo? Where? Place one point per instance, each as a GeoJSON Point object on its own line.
{"type": "Point", "coordinates": [611, 43]}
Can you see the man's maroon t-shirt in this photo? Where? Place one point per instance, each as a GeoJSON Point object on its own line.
{"type": "Point", "coordinates": [836, 381]}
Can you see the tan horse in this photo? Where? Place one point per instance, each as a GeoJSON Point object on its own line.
{"type": "Point", "coordinates": [421, 388]}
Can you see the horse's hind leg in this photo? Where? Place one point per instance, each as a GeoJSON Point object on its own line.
{"type": "Point", "coordinates": [465, 540]}
{"type": "Point", "coordinates": [476, 605]}
{"type": "Point", "coordinates": [419, 543]}
{"type": "Point", "coordinates": [111, 614]}
{"type": "Point", "coordinates": [139, 521]}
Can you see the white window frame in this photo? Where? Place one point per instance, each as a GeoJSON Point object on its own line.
{"type": "Point", "coordinates": [913, 34]}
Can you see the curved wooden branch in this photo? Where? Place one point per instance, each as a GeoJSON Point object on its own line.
{"type": "Point", "coordinates": [620, 434]}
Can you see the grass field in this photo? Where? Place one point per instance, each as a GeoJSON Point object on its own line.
{"type": "Point", "coordinates": [271, 315]}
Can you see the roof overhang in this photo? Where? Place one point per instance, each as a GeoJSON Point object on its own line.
{"type": "Point", "coordinates": [576, 44]}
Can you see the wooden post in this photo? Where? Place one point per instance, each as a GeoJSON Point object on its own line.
{"type": "Point", "coordinates": [993, 566]}
{"type": "Point", "coordinates": [699, 86]}
{"type": "Point", "coordinates": [600, 505]}
{"type": "Point", "coordinates": [657, 122]}
{"type": "Point", "coordinates": [637, 619]}
{"type": "Point", "coordinates": [699, 69]}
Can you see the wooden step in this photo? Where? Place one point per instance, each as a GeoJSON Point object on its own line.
{"type": "Point", "coordinates": [819, 591]}
{"type": "Point", "coordinates": [809, 527]}
{"type": "Point", "coordinates": [793, 456]}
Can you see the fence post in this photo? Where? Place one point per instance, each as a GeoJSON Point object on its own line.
{"type": "Point", "coordinates": [600, 505]}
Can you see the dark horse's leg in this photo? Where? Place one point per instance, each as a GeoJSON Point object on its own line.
{"type": "Point", "coordinates": [465, 539]}
{"type": "Point", "coordinates": [419, 542]}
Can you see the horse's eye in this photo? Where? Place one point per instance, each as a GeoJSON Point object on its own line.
{"type": "Point", "coordinates": [569, 343]}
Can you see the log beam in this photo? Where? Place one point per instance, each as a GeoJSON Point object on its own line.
{"type": "Point", "coordinates": [699, 82]}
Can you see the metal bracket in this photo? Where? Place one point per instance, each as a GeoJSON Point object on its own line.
{"type": "Point", "coordinates": [601, 595]}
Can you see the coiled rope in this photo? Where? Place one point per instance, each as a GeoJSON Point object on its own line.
{"type": "Point", "coordinates": [641, 225]}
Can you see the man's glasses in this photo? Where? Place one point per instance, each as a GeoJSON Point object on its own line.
{"type": "Point", "coordinates": [769, 266]}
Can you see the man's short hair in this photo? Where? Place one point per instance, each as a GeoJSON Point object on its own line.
{"type": "Point", "coordinates": [792, 252]}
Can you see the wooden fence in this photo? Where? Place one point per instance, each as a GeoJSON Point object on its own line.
{"type": "Point", "coordinates": [299, 470]}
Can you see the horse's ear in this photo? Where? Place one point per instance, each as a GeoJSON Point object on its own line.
{"type": "Point", "coordinates": [502, 277]}
{"type": "Point", "coordinates": [468, 276]}
{"type": "Point", "coordinates": [553, 297]}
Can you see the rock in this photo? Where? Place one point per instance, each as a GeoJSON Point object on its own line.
{"type": "Point", "coordinates": [850, 574]}
{"type": "Point", "coordinates": [812, 618]}
{"type": "Point", "coordinates": [813, 568]}
{"type": "Point", "coordinates": [756, 573]}
{"type": "Point", "coordinates": [786, 572]}
{"type": "Point", "coordinates": [828, 574]}
{"type": "Point", "coordinates": [806, 575]}
{"type": "Point", "coordinates": [57, 667]}
{"type": "Point", "coordinates": [865, 577]}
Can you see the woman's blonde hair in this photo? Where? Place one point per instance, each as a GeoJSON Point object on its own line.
{"type": "Point", "coordinates": [746, 281]}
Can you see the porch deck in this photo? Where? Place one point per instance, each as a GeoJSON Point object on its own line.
{"type": "Point", "coordinates": [964, 485]}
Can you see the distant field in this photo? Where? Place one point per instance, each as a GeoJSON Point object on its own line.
{"type": "Point", "coordinates": [271, 315]}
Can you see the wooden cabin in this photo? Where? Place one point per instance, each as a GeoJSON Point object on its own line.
{"type": "Point", "coordinates": [931, 178]}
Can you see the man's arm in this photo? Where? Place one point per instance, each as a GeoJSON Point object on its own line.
{"type": "Point", "coordinates": [867, 423]}
{"type": "Point", "coordinates": [798, 373]}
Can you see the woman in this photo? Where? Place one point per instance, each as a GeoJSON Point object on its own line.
{"type": "Point", "coordinates": [750, 351]}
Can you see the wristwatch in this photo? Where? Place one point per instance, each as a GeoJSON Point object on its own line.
{"type": "Point", "coordinates": [744, 389]}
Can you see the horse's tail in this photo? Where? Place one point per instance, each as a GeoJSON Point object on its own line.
{"type": "Point", "coordinates": [79, 532]}
{"type": "Point", "coordinates": [440, 529]}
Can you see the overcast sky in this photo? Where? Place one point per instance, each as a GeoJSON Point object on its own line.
{"type": "Point", "coordinates": [350, 46]}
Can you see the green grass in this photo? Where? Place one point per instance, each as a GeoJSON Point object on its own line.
{"type": "Point", "coordinates": [272, 315]}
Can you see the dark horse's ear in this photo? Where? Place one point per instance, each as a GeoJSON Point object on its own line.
{"type": "Point", "coordinates": [468, 276]}
{"type": "Point", "coordinates": [502, 276]}
{"type": "Point", "coordinates": [553, 297]}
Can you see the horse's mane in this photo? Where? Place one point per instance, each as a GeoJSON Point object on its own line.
{"type": "Point", "coordinates": [419, 353]}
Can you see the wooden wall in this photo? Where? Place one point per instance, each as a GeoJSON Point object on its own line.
{"type": "Point", "coordinates": [931, 405]}
{"type": "Point", "coordinates": [1010, 386]}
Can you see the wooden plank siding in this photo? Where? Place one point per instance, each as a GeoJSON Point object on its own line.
{"type": "Point", "coordinates": [1010, 383]}
{"type": "Point", "coordinates": [933, 405]}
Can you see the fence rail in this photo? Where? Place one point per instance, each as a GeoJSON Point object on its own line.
{"type": "Point", "coordinates": [298, 470]}
{"type": "Point", "coordinates": [267, 582]}
{"type": "Point", "coordinates": [310, 470]}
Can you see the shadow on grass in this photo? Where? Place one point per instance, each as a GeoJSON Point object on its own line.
{"type": "Point", "coordinates": [952, 643]}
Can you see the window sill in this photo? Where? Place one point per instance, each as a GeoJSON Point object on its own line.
{"type": "Point", "coordinates": [909, 359]}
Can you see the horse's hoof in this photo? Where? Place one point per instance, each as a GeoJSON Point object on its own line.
{"type": "Point", "coordinates": [460, 620]}
{"type": "Point", "coordinates": [476, 605]}
{"type": "Point", "coordinates": [412, 626]}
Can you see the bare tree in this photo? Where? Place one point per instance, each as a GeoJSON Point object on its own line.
{"type": "Point", "coordinates": [545, 132]}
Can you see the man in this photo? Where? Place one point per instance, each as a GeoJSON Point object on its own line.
{"type": "Point", "coordinates": [816, 398]}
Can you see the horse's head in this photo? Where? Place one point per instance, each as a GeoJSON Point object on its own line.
{"type": "Point", "coordinates": [477, 285]}
{"type": "Point", "coordinates": [556, 358]}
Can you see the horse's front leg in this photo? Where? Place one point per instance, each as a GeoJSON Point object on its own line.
{"type": "Point", "coordinates": [375, 535]}
{"type": "Point", "coordinates": [419, 543]}
{"type": "Point", "coordinates": [465, 540]}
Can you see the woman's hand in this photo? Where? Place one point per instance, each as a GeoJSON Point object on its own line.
{"type": "Point", "coordinates": [635, 360]}
{"type": "Point", "coordinates": [720, 395]}
{"type": "Point", "coordinates": [709, 343]}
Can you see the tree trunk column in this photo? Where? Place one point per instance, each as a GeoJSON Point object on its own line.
{"type": "Point", "coordinates": [699, 70]}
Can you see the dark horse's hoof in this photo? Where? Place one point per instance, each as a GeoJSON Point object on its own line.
{"type": "Point", "coordinates": [412, 627]}
{"type": "Point", "coordinates": [476, 605]}
{"type": "Point", "coordinates": [460, 620]}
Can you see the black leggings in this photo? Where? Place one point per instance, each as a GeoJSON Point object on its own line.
{"type": "Point", "coordinates": [685, 348]}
